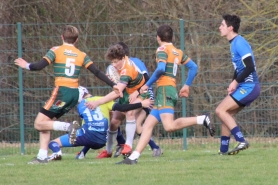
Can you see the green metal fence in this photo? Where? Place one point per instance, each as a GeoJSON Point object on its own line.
{"type": "Point", "coordinates": [19, 105]}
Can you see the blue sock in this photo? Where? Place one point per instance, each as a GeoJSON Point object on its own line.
{"type": "Point", "coordinates": [152, 144]}
{"type": "Point", "coordinates": [120, 138]}
{"type": "Point", "coordinates": [54, 146]}
{"type": "Point", "coordinates": [224, 147]}
{"type": "Point", "coordinates": [237, 134]}
{"type": "Point", "coordinates": [85, 149]}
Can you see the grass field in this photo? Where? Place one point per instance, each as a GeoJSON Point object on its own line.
{"type": "Point", "coordinates": [257, 165]}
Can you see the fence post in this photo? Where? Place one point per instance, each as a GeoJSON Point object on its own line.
{"type": "Point", "coordinates": [20, 85]}
{"type": "Point", "coordinates": [182, 47]}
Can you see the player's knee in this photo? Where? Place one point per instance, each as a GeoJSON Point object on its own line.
{"type": "Point", "coordinates": [114, 124]}
{"type": "Point", "coordinates": [37, 126]}
{"type": "Point", "coordinates": [218, 111]}
{"type": "Point", "coordinates": [169, 127]}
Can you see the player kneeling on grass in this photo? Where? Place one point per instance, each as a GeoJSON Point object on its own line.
{"type": "Point", "coordinates": [93, 132]}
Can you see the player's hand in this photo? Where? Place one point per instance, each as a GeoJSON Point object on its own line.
{"type": "Point", "coordinates": [144, 89]}
{"type": "Point", "coordinates": [20, 62]}
{"type": "Point", "coordinates": [132, 97]}
{"type": "Point", "coordinates": [117, 90]}
{"type": "Point", "coordinates": [92, 104]}
{"type": "Point", "coordinates": [147, 103]}
{"type": "Point", "coordinates": [232, 86]}
{"type": "Point", "coordinates": [184, 92]}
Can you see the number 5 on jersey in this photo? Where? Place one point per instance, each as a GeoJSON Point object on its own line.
{"type": "Point", "coordinates": [70, 66]}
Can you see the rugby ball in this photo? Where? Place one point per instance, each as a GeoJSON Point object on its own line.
{"type": "Point", "coordinates": [113, 74]}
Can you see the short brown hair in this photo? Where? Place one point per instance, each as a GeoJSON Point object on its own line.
{"type": "Point", "coordinates": [115, 52]}
{"type": "Point", "coordinates": [70, 34]}
{"type": "Point", "coordinates": [165, 33]}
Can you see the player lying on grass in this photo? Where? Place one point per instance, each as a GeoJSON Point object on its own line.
{"type": "Point", "coordinates": [93, 132]}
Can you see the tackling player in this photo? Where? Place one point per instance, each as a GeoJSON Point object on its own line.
{"type": "Point", "coordinates": [122, 148]}
{"type": "Point", "coordinates": [130, 82]}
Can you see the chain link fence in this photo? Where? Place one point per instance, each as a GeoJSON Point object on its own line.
{"type": "Point", "coordinates": [202, 43]}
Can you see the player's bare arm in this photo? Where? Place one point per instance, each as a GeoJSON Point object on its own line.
{"type": "Point", "coordinates": [118, 89]}
{"type": "Point", "coordinates": [94, 104]}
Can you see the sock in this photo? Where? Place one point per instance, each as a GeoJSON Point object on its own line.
{"type": "Point", "coordinates": [200, 119]}
{"type": "Point", "coordinates": [130, 131]}
{"type": "Point", "coordinates": [111, 137]}
{"type": "Point", "coordinates": [85, 150]}
{"type": "Point", "coordinates": [152, 144]}
{"type": "Point", "coordinates": [237, 134]}
{"type": "Point", "coordinates": [120, 138]}
{"type": "Point", "coordinates": [54, 146]}
{"type": "Point", "coordinates": [60, 126]}
{"type": "Point", "coordinates": [42, 154]}
{"type": "Point", "coordinates": [224, 146]}
{"type": "Point", "coordinates": [134, 155]}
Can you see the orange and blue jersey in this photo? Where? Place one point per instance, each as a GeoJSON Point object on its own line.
{"type": "Point", "coordinates": [172, 57]}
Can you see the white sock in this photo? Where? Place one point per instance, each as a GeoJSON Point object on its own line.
{"type": "Point", "coordinates": [61, 126]}
{"type": "Point", "coordinates": [130, 129]}
{"type": "Point", "coordinates": [134, 155]}
{"type": "Point", "coordinates": [59, 152]}
{"type": "Point", "coordinates": [42, 154]}
{"type": "Point", "coordinates": [111, 137]}
{"type": "Point", "coordinates": [200, 119]}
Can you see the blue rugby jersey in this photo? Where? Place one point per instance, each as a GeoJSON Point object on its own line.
{"type": "Point", "coordinates": [140, 64]}
{"type": "Point", "coordinates": [240, 49]}
{"type": "Point", "coordinates": [95, 122]}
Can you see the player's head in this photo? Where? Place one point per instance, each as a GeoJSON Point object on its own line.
{"type": "Point", "coordinates": [70, 34]}
{"type": "Point", "coordinates": [82, 93]}
{"type": "Point", "coordinates": [115, 52]}
{"type": "Point", "coordinates": [165, 33]}
{"type": "Point", "coordinates": [125, 47]}
{"type": "Point", "coordinates": [116, 55]}
{"type": "Point", "coordinates": [232, 20]}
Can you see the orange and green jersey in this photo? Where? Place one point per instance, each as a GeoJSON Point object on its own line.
{"type": "Point", "coordinates": [67, 61]}
{"type": "Point", "coordinates": [130, 75]}
{"type": "Point", "coordinates": [173, 57]}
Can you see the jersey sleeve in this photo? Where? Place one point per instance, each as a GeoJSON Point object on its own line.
{"type": "Point", "coordinates": [50, 56]}
{"type": "Point", "coordinates": [243, 49]}
{"type": "Point", "coordinates": [184, 59]}
{"type": "Point", "coordinates": [87, 61]}
{"type": "Point", "coordinates": [161, 54]}
{"type": "Point", "coordinates": [125, 76]}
